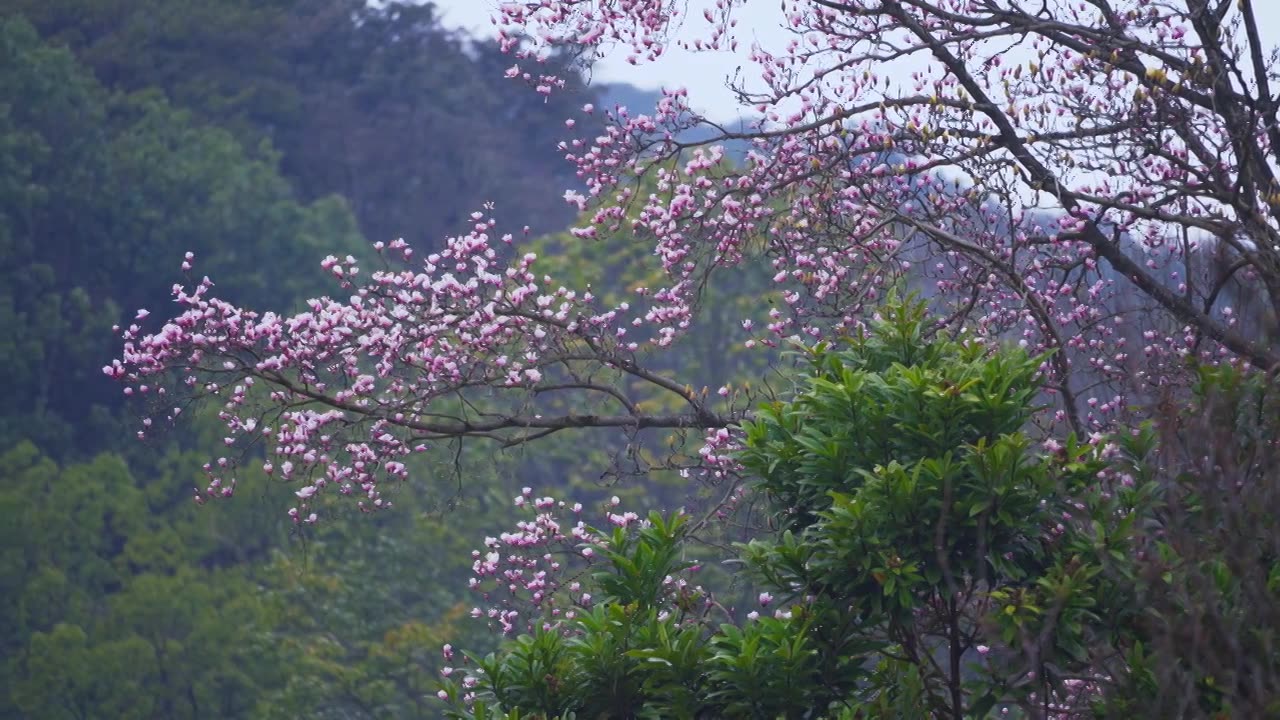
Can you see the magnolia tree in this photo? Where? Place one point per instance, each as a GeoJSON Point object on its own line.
{"type": "Point", "coordinates": [1093, 179]}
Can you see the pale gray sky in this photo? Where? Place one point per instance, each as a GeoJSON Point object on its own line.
{"type": "Point", "coordinates": [703, 74]}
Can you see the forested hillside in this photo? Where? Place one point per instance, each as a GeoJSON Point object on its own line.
{"type": "Point", "coordinates": [415, 127]}
{"type": "Point", "coordinates": [260, 137]}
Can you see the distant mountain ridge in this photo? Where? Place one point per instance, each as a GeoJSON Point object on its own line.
{"type": "Point", "coordinates": [639, 100]}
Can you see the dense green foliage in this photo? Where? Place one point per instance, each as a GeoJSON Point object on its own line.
{"type": "Point", "coordinates": [112, 606]}
{"type": "Point", "coordinates": [117, 589]}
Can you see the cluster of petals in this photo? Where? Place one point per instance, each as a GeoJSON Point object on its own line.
{"type": "Point", "coordinates": [530, 577]}
{"type": "Point", "coordinates": [861, 180]}
{"type": "Point", "coordinates": [521, 577]}
{"type": "Point", "coordinates": [1056, 214]}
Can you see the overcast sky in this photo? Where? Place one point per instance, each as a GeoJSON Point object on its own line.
{"type": "Point", "coordinates": [704, 73]}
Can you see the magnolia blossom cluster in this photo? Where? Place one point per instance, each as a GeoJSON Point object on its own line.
{"type": "Point", "coordinates": [1085, 187]}
{"type": "Point", "coordinates": [343, 393]}
{"type": "Point", "coordinates": [533, 577]}
{"type": "Point", "coordinates": [522, 571]}
{"type": "Point", "coordinates": [1041, 190]}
